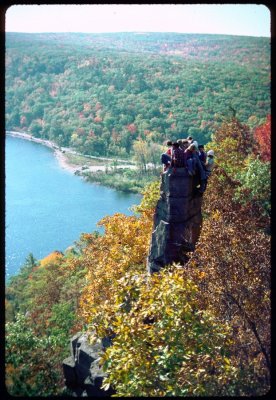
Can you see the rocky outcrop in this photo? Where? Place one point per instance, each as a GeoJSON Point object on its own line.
{"type": "Point", "coordinates": [177, 225]}
{"type": "Point", "coordinates": [82, 373]}
{"type": "Point", "coordinates": [177, 219]}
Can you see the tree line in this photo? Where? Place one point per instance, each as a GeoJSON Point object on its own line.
{"type": "Point", "coordinates": [101, 93]}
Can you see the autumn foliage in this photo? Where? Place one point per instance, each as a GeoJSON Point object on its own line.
{"type": "Point", "coordinates": [140, 86]}
{"type": "Point", "coordinates": [163, 345]}
{"type": "Point", "coordinates": [199, 329]}
{"type": "Point", "coordinates": [262, 135]}
{"type": "Point", "coordinates": [122, 248]}
{"type": "Point", "coordinates": [234, 253]}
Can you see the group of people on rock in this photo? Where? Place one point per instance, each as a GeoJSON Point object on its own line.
{"type": "Point", "coordinates": [186, 153]}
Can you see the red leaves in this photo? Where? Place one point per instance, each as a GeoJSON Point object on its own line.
{"type": "Point", "coordinates": [262, 136]}
{"type": "Point", "coordinates": [132, 128]}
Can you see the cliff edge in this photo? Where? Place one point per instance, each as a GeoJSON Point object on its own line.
{"type": "Point", "coordinates": [177, 219]}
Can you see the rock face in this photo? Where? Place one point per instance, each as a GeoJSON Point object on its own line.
{"type": "Point", "coordinates": [177, 225]}
{"type": "Point", "coordinates": [177, 219]}
{"type": "Point", "coordinates": [81, 370]}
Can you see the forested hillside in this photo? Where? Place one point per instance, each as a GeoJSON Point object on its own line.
{"type": "Point", "coordinates": [98, 93]}
{"type": "Point", "coordinates": [209, 330]}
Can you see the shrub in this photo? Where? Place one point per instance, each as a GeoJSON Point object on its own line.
{"type": "Point", "coordinates": [162, 344]}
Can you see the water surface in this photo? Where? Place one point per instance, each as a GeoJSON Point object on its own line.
{"type": "Point", "coordinates": [47, 207]}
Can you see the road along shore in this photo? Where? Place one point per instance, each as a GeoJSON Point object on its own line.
{"type": "Point", "coordinates": [60, 153]}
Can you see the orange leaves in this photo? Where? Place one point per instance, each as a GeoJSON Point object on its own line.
{"type": "Point", "coordinates": [98, 119]}
{"type": "Point", "coordinates": [51, 258]}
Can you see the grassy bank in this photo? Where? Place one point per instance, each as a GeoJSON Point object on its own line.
{"type": "Point", "coordinates": [112, 172]}
{"type": "Point", "coordinates": [90, 161]}
{"type": "Point", "coordinates": [127, 180]}
{"type": "Point", "coordinates": [80, 160]}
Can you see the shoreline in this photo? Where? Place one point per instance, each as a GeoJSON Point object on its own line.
{"type": "Point", "coordinates": [60, 154]}
{"type": "Point", "coordinates": [63, 162]}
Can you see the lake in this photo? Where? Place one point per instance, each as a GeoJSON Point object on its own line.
{"type": "Point", "coordinates": [47, 207]}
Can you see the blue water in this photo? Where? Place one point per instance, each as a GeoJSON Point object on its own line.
{"type": "Point", "coordinates": [47, 207]}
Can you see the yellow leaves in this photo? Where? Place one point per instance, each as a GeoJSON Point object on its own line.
{"type": "Point", "coordinates": [161, 325]}
{"type": "Point", "coordinates": [169, 311]}
{"type": "Point", "coordinates": [161, 321]}
{"type": "Point", "coordinates": [216, 215]}
{"type": "Point", "coordinates": [93, 338]}
{"type": "Point", "coordinates": [200, 372]}
{"type": "Point", "coordinates": [151, 195]}
{"type": "Point", "coordinates": [226, 360]}
{"type": "Point", "coordinates": [122, 248]}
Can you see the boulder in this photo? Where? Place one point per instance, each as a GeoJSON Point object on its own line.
{"type": "Point", "coordinates": [69, 372]}
{"type": "Point", "coordinates": [82, 373]}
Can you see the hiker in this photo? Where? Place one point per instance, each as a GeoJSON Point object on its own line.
{"type": "Point", "coordinates": [209, 164]}
{"type": "Point", "coordinates": [169, 144]}
{"type": "Point", "coordinates": [195, 165]}
{"type": "Point", "coordinates": [190, 159]}
{"type": "Point", "coordinates": [202, 154]}
{"type": "Point", "coordinates": [185, 144]}
{"type": "Point", "coordinates": [166, 158]}
{"type": "Point", "coordinates": [202, 174]}
{"type": "Point", "coordinates": [178, 156]}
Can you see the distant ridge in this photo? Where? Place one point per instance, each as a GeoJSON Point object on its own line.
{"type": "Point", "coordinates": [155, 42]}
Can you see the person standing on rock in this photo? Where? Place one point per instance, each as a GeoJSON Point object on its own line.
{"type": "Point", "coordinates": [209, 164]}
{"type": "Point", "coordinates": [166, 158]}
{"type": "Point", "coordinates": [190, 159]}
{"type": "Point", "coordinates": [202, 154]}
{"type": "Point", "coordinates": [178, 156]}
{"type": "Point", "coordinates": [183, 143]}
{"type": "Point", "coordinates": [194, 165]}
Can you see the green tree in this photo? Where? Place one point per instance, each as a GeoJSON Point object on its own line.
{"type": "Point", "coordinates": [36, 128]}
{"type": "Point", "coordinates": [256, 184]}
{"type": "Point", "coordinates": [31, 366]}
{"type": "Point", "coordinates": [16, 288]}
{"type": "Point", "coordinates": [141, 154]}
